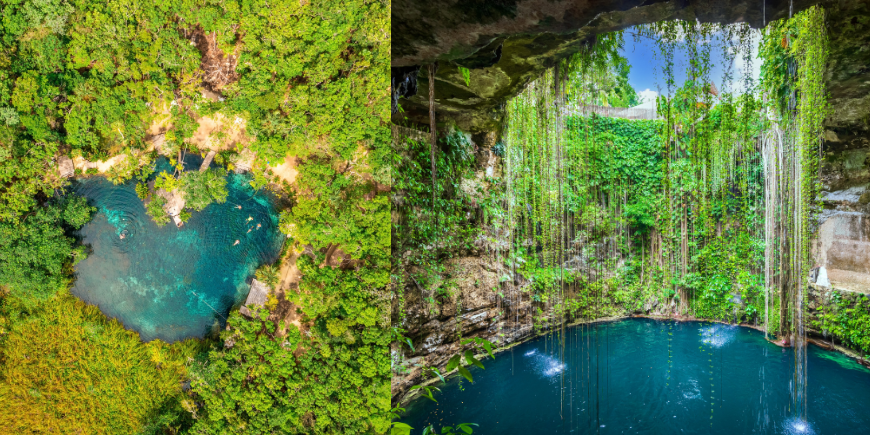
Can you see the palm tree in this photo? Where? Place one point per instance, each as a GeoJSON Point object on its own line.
{"type": "Point", "coordinates": [267, 274]}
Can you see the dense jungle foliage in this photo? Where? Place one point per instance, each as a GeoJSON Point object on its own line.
{"type": "Point", "coordinates": [36, 254]}
{"type": "Point", "coordinates": [66, 368]}
{"type": "Point", "coordinates": [307, 80]}
{"type": "Point", "coordinates": [705, 213]}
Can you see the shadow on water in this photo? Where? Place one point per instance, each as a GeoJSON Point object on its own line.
{"type": "Point", "coordinates": [173, 283]}
{"type": "Point", "coordinates": [642, 376]}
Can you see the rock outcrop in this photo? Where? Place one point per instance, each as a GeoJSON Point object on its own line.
{"type": "Point", "coordinates": [472, 307]}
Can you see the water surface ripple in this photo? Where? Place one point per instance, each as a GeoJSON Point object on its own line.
{"type": "Point", "coordinates": [166, 282]}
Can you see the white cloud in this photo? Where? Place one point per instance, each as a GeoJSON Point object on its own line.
{"type": "Point", "coordinates": [755, 62]}
{"type": "Point", "coordinates": [647, 98]}
{"type": "Point", "coordinates": [740, 66]}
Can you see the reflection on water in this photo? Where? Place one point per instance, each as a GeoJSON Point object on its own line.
{"type": "Point", "coordinates": [619, 378]}
{"type": "Point", "coordinates": [173, 283]}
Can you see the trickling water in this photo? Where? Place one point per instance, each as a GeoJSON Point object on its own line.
{"type": "Point", "coordinates": [723, 380]}
{"type": "Point", "coordinates": [166, 282]}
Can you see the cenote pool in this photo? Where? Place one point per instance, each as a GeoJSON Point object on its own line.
{"type": "Point", "coordinates": [641, 376]}
{"type": "Point", "coordinates": [173, 283]}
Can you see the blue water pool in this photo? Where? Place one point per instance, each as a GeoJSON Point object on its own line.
{"type": "Point", "coordinates": [173, 283]}
{"type": "Point", "coordinates": [640, 376]}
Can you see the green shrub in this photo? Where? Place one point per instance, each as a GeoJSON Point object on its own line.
{"type": "Point", "coordinates": [154, 208]}
{"type": "Point", "coordinates": [203, 188]}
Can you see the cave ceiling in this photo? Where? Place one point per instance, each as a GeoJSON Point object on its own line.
{"type": "Point", "coordinates": [508, 43]}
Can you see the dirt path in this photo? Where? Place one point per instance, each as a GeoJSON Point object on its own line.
{"type": "Point", "coordinates": [218, 133]}
{"type": "Point", "coordinates": [286, 170]}
{"type": "Point", "coordinates": [289, 277]}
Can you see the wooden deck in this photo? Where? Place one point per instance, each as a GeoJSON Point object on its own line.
{"type": "Point", "coordinates": [256, 297]}
{"type": "Point", "coordinates": [65, 166]}
{"type": "Point", "coordinates": [208, 158]}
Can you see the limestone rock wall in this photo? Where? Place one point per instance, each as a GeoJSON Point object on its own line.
{"type": "Point", "coordinates": [842, 242]}
{"type": "Point", "coordinates": [472, 308]}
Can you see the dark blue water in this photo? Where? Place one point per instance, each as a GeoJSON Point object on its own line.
{"type": "Point", "coordinates": [166, 282]}
{"type": "Point", "coordinates": [640, 376]}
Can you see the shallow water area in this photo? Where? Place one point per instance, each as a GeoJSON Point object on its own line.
{"type": "Point", "coordinates": [166, 282]}
{"type": "Point", "coordinates": [642, 376]}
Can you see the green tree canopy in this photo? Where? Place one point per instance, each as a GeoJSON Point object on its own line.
{"type": "Point", "coordinates": [33, 254]}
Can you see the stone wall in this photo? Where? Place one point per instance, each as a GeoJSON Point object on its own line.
{"type": "Point", "coordinates": [464, 295]}
{"type": "Point", "coordinates": [474, 310]}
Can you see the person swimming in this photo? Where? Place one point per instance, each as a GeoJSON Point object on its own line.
{"type": "Point", "coordinates": [249, 219]}
{"type": "Point", "coordinates": [249, 229]}
{"type": "Point", "coordinates": [123, 235]}
{"type": "Point", "coordinates": [237, 242]}
{"type": "Point", "coordinates": [258, 226]}
{"type": "Point", "coordinates": [239, 207]}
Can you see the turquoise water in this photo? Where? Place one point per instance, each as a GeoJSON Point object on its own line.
{"type": "Point", "coordinates": [640, 376]}
{"type": "Point", "coordinates": [173, 283]}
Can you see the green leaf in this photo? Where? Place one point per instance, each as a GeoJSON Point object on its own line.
{"type": "Point", "coordinates": [409, 343]}
{"type": "Point", "coordinates": [488, 346]}
{"type": "Point", "coordinates": [427, 391]}
{"type": "Point", "coordinates": [469, 357]}
{"type": "Point", "coordinates": [465, 373]}
{"type": "Point", "coordinates": [453, 363]}
{"type": "Point", "coordinates": [466, 427]}
{"type": "Point", "coordinates": [438, 373]}
{"type": "Point", "coordinates": [401, 429]}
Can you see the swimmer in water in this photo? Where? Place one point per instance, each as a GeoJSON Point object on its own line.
{"type": "Point", "coordinates": [237, 242]}
{"type": "Point", "coordinates": [249, 230]}
{"type": "Point", "coordinates": [249, 219]}
{"type": "Point", "coordinates": [239, 207]}
{"type": "Point", "coordinates": [123, 235]}
{"type": "Point", "coordinates": [258, 226]}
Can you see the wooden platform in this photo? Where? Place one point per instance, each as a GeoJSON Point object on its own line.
{"type": "Point", "coordinates": [65, 166]}
{"type": "Point", "coordinates": [256, 297]}
{"type": "Point", "coordinates": [208, 158]}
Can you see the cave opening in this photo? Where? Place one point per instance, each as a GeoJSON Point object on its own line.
{"type": "Point", "coordinates": [702, 200]}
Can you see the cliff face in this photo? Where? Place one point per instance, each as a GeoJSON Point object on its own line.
{"type": "Point", "coordinates": [474, 309]}
{"type": "Point", "coordinates": [465, 297]}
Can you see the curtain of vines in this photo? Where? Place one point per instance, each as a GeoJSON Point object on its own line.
{"type": "Point", "coordinates": [793, 85]}
{"type": "Point", "coordinates": [734, 191]}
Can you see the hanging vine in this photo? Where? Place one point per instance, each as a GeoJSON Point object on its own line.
{"type": "Point", "coordinates": [716, 226]}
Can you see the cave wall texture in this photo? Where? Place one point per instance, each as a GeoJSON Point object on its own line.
{"type": "Point", "coordinates": [508, 43]}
